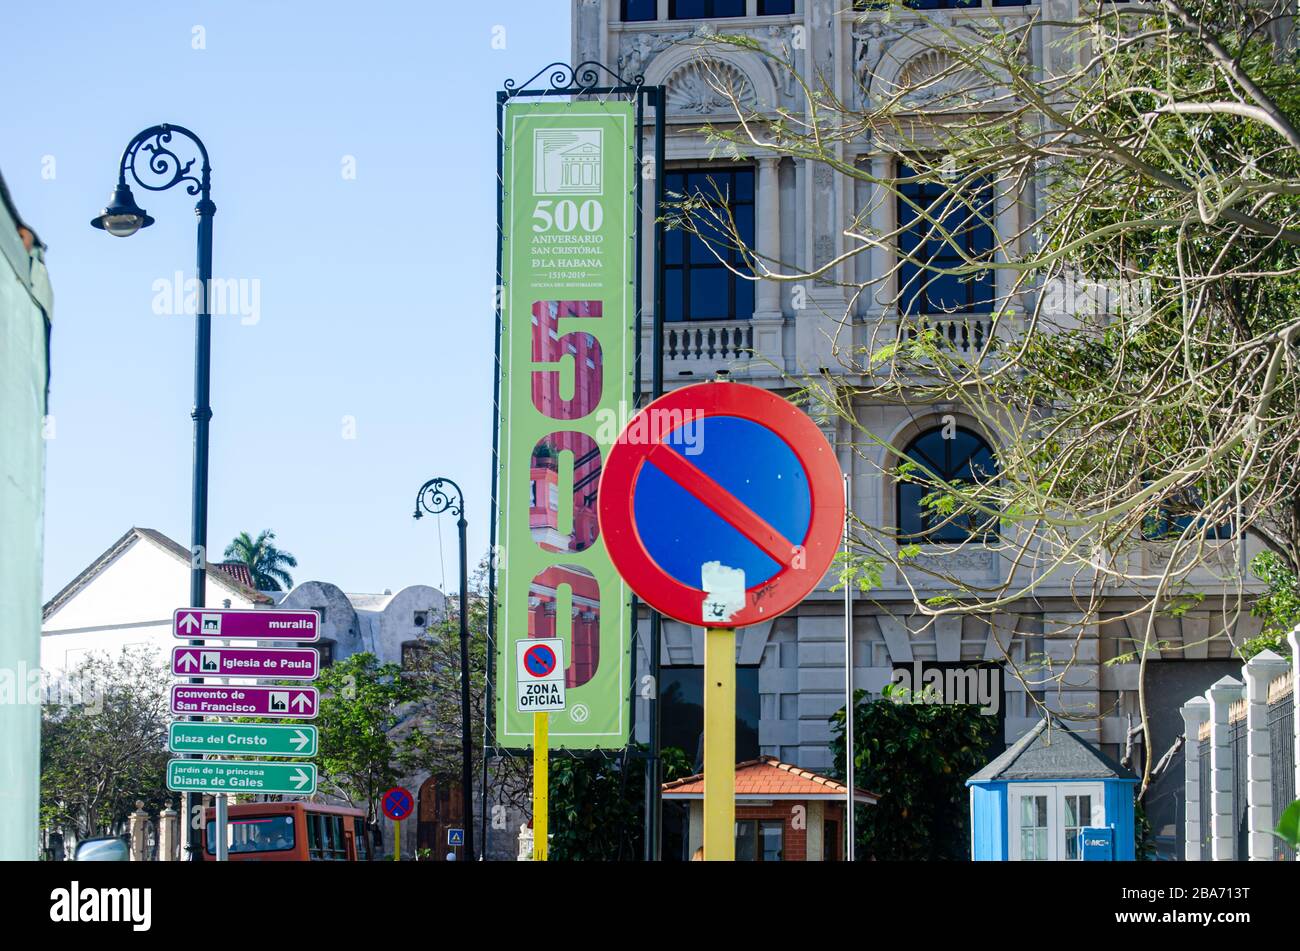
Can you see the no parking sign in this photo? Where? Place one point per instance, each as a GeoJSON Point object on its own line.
{"type": "Point", "coordinates": [397, 803]}
{"type": "Point", "coordinates": [721, 505]}
{"type": "Point", "coordinates": [539, 678]}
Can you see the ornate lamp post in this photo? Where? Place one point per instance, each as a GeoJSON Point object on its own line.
{"type": "Point", "coordinates": [153, 165]}
{"type": "Point", "coordinates": [435, 497]}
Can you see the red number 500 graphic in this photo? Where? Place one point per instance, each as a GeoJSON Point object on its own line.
{"type": "Point", "coordinates": [563, 474]}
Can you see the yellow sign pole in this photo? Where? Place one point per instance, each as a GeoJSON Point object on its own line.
{"type": "Point", "coordinates": [719, 744]}
{"type": "Point", "coordinates": [397, 840]}
{"type": "Point", "coordinates": [541, 779]}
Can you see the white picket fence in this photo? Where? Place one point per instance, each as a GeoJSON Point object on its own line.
{"type": "Point", "coordinates": [1241, 761]}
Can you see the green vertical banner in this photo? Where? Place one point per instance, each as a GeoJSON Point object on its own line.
{"type": "Point", "coordinates": [568, 271]}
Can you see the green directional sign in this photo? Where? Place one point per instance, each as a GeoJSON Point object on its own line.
{"type": "Point", "coordinates": [210, 775]}
{"type": "Point", "coordinates": [242, 739]}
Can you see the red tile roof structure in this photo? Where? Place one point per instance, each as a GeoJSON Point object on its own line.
{"type": "Point", "coordinates": [769, 778]}
{"type": "Point", "coordinates": [239, 571]}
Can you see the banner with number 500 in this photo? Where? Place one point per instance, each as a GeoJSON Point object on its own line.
{"type": "Point", "coordinates": [568, 267]}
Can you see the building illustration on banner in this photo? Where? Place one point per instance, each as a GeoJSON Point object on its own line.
{"type": "Point", "coordinates": [567, 161]}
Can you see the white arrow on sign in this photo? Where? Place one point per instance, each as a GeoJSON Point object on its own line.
{"type": "Point", "coordinates": [300, 778]}
{"type": "Point", "coordinates": [189, 622]}
{"type": "Point", "coordinates": [301, 701]}
{"type": "Point", "coordinates": [186, 660]}
{"type": "Point", "coordinates": [300, 740]}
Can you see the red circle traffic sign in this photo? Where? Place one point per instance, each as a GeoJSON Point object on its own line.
{"type": "Point", "coordinates": [397, 803]}
{"type": "Point", "coordinates": [754, 483]}
{"type": "Point", "coordinates": [539, 660]}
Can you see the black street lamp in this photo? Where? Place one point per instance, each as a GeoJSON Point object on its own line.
{"type": "Point", "coordinates": [435, 497]}
{"type": "Point", "coordinates": [122, 218]}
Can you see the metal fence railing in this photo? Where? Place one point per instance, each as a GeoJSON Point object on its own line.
{"type": "Point", "coordinates": [1281, 724]}
{"type": "Point", "coordinates": [1241, 839]}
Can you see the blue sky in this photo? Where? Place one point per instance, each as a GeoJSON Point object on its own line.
{"type": "Point", "coordinates": [375, 293]}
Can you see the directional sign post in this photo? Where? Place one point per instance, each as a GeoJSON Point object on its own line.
{"type": "Point", "coordinates": [540, 680]}
{"type": "Point", "coordinates": [195, 700]}
{"type": "Point", "coordinates": [230, 624]}
{"type": "Point", "coordinates": [247, 739]}
{"type": "Point", "coordinates": [721, 505]}
{"type": "Point", "coordinates": [294, 703]}
{"type": "Point", "coordinates": [221, 776]}
{"type": "Point", "coordinates": [397, 804]}
{"type": "Point", "coordinates": [252, 662]}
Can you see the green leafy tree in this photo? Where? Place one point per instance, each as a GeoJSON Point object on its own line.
{"type": "Point", "coordinates": [104, 743]}
{"type": "Point", "coordinates": [917, 756]}
{"type": "Point", "coordinates": [1278, 606]}
{"type": "Point", "coordinates": [596, 804]}
{"type": "Point", "coordinates": [362, 702]}
{"type": "Point", "coordinates": [266, 563]}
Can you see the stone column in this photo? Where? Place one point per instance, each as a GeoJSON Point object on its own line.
{"type": "Point", "coordinates": [138, 828]}
{"type": "Point", "coordinates": [1259, 672]}
{"type": "Point", "coordinates": [168, 837]}
{"type": "Point", "coordinates": [768, 320]}
{"type": "Point", "coordinates": [883, 214]}
{"type": "Point", "coordinates": [767, 237]}
{"type": "Point", "coordinates": [1222, 695]}
{"type": "Point", "coordinates": [1195, 712]}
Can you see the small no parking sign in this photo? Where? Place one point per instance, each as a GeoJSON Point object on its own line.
{"type": "Point", "coordinates": [539, 675]}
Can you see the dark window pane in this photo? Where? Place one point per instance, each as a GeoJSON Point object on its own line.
{"type": "Point", "coordinates": [673, 295]}
{"type": "Point", "coordinates": [682, 714]}
{"type": "Point", "coordinates": [746, 841]}
{"type": "Point", "coordinates": [767, 8]}
{"type": "Point", "coordinates": [673, 245]}
{"type": "Point", "coordinates": [728, 8]}
{"type": "Point", "coordinates": [744, 298]}
{"type": "Point", "coordinates": [967, 219]}
{"type": "Point", "coordinates": [709, 294]}
{"type": "Point", "coordinates": [706, 183]}
{"type": "Point", "coordinates": [636, 10]}
{"type": "Point", "coordinates": [707, 252]}
{"type": "Point", "coordinates": [744, 184]}
{"type": "Point", "coordinates": [699, 286]}
{"type": "Point", "coordinates": [743, 216]}
{"type": "Point", "coordinates": [771, 834]}
{"type": "Point", "coordinates": [688, 9]}
{"type": "Point", "coordinates": [964, 458]}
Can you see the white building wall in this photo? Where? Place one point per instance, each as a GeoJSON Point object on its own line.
{"type": "Point", "coordinates": [128, 604]}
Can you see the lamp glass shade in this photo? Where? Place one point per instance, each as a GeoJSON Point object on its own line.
{"type": "Point", "coordinates": [122, 217]}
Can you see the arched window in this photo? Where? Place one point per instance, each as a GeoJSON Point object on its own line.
{"type": "Point", "coordinates": [954, 456]}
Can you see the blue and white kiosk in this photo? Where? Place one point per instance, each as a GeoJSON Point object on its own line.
{"type": "Point", "coordinates": [1052, 796]}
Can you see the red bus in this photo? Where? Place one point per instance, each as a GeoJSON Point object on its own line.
{"type": "Point", "coordinates": [291, 832]}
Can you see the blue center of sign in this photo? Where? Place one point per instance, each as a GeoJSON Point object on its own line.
{"type": "Point", "coordinates": [751, 462]}
{"type": "Point", "coordinates": [539, 660]}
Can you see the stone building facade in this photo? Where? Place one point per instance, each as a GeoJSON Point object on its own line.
{"type": "Point", "coordinates": [777, 332]}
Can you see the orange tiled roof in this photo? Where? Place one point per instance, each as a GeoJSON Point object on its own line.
{"type": "Point", "coordinates": [237, 570]}
{"type": "Point", "coordinates": [766, 777]}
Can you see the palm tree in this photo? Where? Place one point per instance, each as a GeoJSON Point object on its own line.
{"type": "Point", "coordinates": [265, 562]}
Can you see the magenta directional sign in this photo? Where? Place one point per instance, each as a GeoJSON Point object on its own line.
{"type": "Point", "coordinates": [284, 663]}
{"type": "Point", "coordinates": [271, 625]}
{"type": "Point", "coordinates": [296, 703]}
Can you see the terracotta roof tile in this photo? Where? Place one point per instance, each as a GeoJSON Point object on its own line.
{"type": "Point", "coordinates": [767, 776]}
